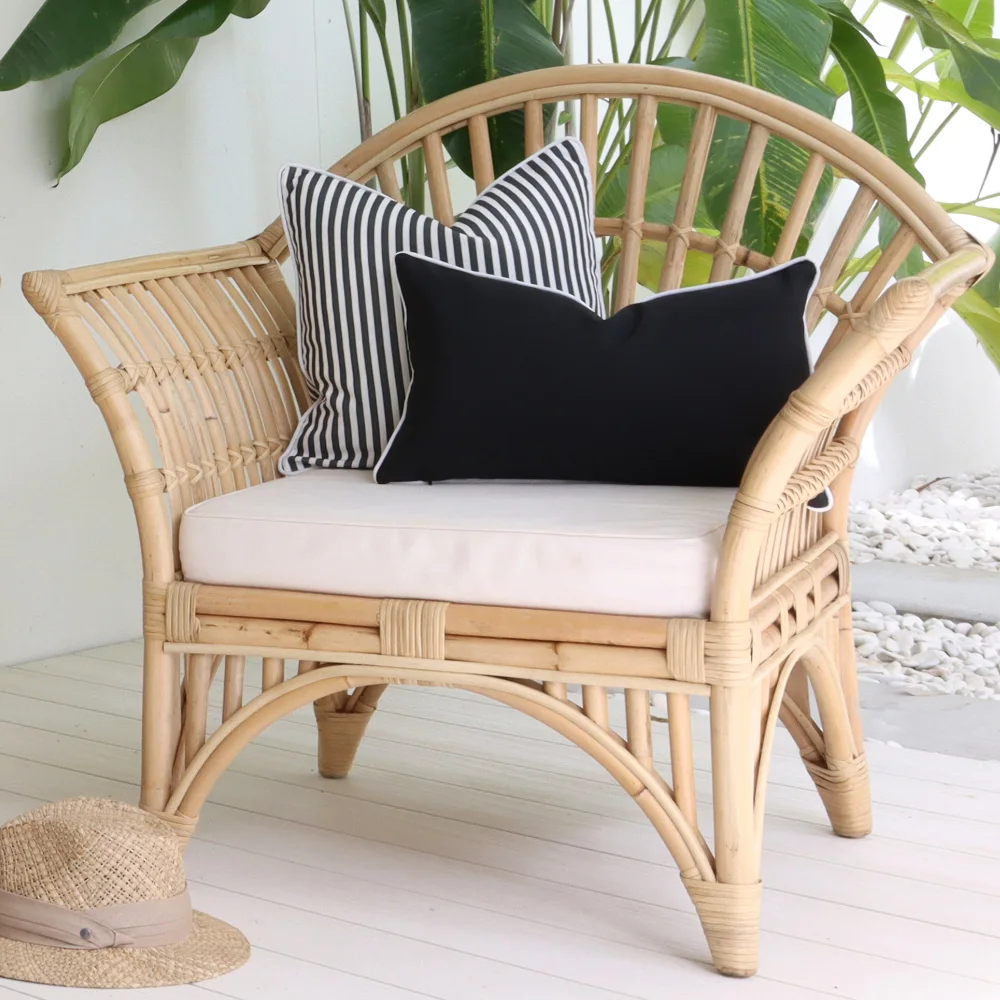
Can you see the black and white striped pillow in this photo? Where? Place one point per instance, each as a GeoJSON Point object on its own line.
{"type": "Point", "coordinates": [534, 224]}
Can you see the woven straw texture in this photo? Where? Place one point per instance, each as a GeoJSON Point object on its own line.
{"type": "Point", "coordinates": [85, 853]}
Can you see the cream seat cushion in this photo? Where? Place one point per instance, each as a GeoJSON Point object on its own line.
{"type": "Point", "coordinates": [634, 550]}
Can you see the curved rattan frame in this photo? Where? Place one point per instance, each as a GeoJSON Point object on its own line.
{"type": "Point", "coordinates": [206, 342]}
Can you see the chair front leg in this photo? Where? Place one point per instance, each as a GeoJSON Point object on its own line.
{"type": "Point", "coordinates": [729, 908]}
{"type": "Point", "coordinates": [161, 722]}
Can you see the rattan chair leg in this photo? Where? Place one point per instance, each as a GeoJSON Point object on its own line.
{"type": "Point", "coordinates": [341, 722]}
{"type": "Point", "coordinates": [730, 918]}
{"type": "Point", "coordinates": [729, 909]}
{"type": "Point", "coordinates": [844, 788]}
{"type": "Point", "coordinates": [183, 826]}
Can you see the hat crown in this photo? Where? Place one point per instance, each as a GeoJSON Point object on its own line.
{"type": "Point", "coordinates": [84, 853]}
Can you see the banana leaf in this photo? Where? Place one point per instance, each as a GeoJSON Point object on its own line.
{"type": "Point", "coordinates": [778, 46]}
{"type": "Point", "coordinates": [142, 71]}
{"type": "Point", "coordinates": [459, 45]}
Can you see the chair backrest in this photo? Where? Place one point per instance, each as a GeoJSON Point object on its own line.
{"type": "Point", "coordinates": [207, 338]}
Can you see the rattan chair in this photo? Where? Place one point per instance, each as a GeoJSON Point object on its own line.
{"type": "Point", "coordinates": [207, 341]}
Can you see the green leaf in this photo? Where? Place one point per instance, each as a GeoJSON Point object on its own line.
{"type": "Point", "coordinates": [946, 90]}
{"type": "Point", "coordinates": [836, 81]}
{"type": "Point", "coordinates": [64, 34]}
{"type": "Point", "coordinates": [976, 15]}
{"type": "Point", "coordinates": [879, 116]}
{"type": "Point", "coordinates": [697, 266]}
{"type": "Point", "coordinates": [778, 46]}
{"type": "Point", "coordinates": [980, 72]}
{"type": "Point", "coordinates": [666, 171]}
{"type": "Point", "coordinates": [375, 9]}
{"type": "Point", "coordinates": [975, 58]}
{"type": "Point", "coordinates": [839, 11]}
{"type": "Point", "coordinates": [989, 285]}
{"type": "Point", "coordinates": [984, 320]}
{"type": "Point", "coordinates": [459, 45]}
{"type": "Point", "coordinates": [675, 121]}
{"type": "Point", "coordinates": [138, 73]}
{"type": "Point", "coordinates": [979, 211]}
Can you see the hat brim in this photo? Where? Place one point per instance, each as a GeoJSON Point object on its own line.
{"type": "Point", "coordinates": [212, 949]}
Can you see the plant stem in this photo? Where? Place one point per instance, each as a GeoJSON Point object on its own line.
{"type": "Point", "coordinates": [590, 31]}
{"type": "Point", "coordinates": [947, 119]}
{"type": "Point", "coordinates": [356, 66]}
{"type": "Point", "coordinates": [390, 74]}
{"type": "Point", "coordinates": [641, 28]}
{"type": "Point", "coordinates": [650, 48]}
{"type": "Point", "coordinates": [681, 14]}
{"type": "Point", "coordinates": [366, 79]}
{"type": "Point", "coordinates": [920, 122]}
{"type": "Point", "coordinates": [699, 37]}
{"type": "Point", "coordinates": [868, 13]}
{"type": "Point", "coordinates": [404, 44]}
{"type": "Point", "coordinates": [906, 32]}
{"type": "Point", "coordinates": [609, 17]}
{"type": "Point", "coordinates": [974, 202]}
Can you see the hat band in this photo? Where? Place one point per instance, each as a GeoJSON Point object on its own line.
{"type": "Point", "coordinates": [150, 923]}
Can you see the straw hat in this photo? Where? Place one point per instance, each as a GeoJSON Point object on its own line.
{"type": "Point", "coordinates": [93, 893]}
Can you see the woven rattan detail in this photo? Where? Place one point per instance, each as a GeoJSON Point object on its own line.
{"type": "Point", "coordinates": [843, 568]}
{"type": "Point", "coordinates": [814, 476]}
{"type": "Point", "coordinates": [730, 916]}
{"type": "Point", "coordinates": [706, 652]}
{"type": "Point", "coordinates": [686, 649]}
{"type": "Point", "coordinates": [148, 483]}
{"type": "Point", "coordinates": [218, 359]}
{"type": "Point", "coordinates": [879, 376]}
{"type": "Point", "coordinates": [728, 652]}
{"type": "Point", "coordinates": [182, 826]}
{"type": "Point", "coordinates": [843, 787]}
{"type": "Point", "coordinates": [339, 735]}
{"type": "Point", "coordinates": [412, 628]}
{"type": "Point", "coordinates": [181, 623]}
{"type": "Point", "coordinates": [801, 412]}
{"type": "Point", "coordinates": [154, 608]}
{"type": "Point", "coordinates": [254, 453]}
{"type": "Point", "coordinates": [751, 512]}
{"type": "Point", "coordinates": [107, 382]}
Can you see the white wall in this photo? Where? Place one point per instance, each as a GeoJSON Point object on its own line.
{"type": "Point", "coordinates": [193, 169]}
{"type": "Point", "coordinates": [197, 168]}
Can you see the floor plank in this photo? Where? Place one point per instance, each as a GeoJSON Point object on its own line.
{"type": "Point", "coordinates": [434, 872]}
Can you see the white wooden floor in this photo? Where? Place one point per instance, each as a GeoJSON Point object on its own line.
{"type": "Point", "coordinates": [473, 853]}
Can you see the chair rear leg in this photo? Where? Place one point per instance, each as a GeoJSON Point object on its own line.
{"type": "Point", "coordinates": [341, 721]}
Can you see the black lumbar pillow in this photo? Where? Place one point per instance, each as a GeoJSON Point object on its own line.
{"type": "Point", "coordinates": [517, 382]}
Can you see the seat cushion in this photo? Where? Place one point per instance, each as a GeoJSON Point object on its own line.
{"type": "Point", "coordinates": [635, 550]}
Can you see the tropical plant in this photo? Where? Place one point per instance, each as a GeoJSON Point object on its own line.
{"type": "Point", "coordinates": [814, 52]}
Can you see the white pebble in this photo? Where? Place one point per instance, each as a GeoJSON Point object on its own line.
{"type": "Point", "coordinates": [882, 608]}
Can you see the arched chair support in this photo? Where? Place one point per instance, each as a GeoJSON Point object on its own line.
{"type": "Point", "coordinates": [729, 912]}
{"type": "Point", "coordinates": [651, 792]}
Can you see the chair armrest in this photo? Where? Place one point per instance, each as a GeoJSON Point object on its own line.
{"type": "Point", "coordinates": [814, 441]}
{"type": "Point", "coordinates": [206, 341]}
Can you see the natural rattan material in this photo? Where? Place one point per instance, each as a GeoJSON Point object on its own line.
{"type": "Point", "coordinates": [412, 628]}
{"type": "Point", "coordinates": [843, 787]}
{"type": "Point", "coordinates": [85, 854]}
{"type": "Point", "coordinates": [205, 339]}
{"type": "Point", "coordinates": [340, 735]}
{"type": "Point", "coordinates": [730, 916]}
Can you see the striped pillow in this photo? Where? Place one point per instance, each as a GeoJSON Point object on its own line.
{"type": "Point", "coordinates": [535, 224]}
